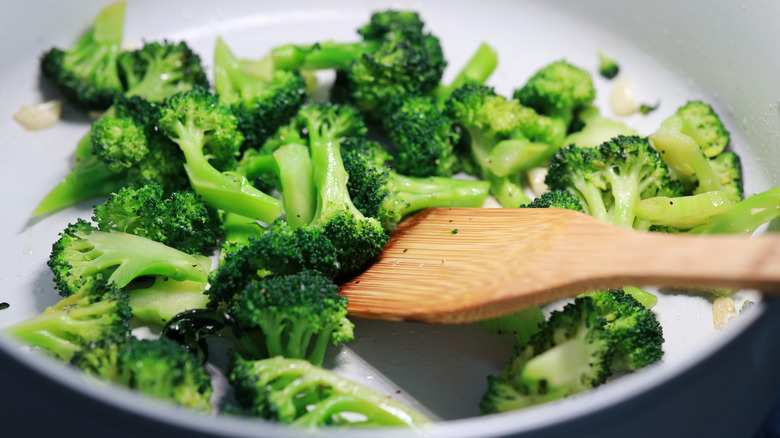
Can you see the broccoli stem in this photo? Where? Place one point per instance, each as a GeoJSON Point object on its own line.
{"type": "Point", "coordinates": [320, 56]}
{"type": "Point", "coordinates": [330, 178]}
{"type": "Point", "coordinates": [296, 178]}
{"type": "Point", "coordinates": [88, 179]}
{"type": "Point", "coordinates": [227, 191]}
{"type": "Point", "coordinates": [238, 229]}
{"type": "Point", "coordinates": [682, 212]}
{"type": "Point", "coordinates": [625, 190]}
{"type": "Point", "coordinates": [134, 256]}
{"type": "Point", "coordinates": [517, 155]}
{"type": "Point", "coordinates": [166, 298]}
{"type": "Point", "coordinates": [745, 216]}
{"type": "Point", "coordinates": [420, 193]}
{"type": "Point", "coordinates": [478, 69]}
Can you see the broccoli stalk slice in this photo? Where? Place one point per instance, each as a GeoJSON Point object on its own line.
{"type": "Point", "coordinates": [165, 298]}
{"type": "Point", "coordinates": [418, 193]}
{"type": "Point", "coordinates": [560, 367]}
{"type": "Point", "coordinates": [745, 216]}
{"type": "Point", "coordinates": [626, 187]}
{"type": "Point", "coordinates": [296, 179]}
{"type": "Point", "coordinates": [683, 212]}
{"type": "Point", "coordinates": [227, 191]}
{"type": "Point", "coordinates": [237, 229]}
{"type": "Point", "coordinates": [478, 69]}
{"type": "Point", "coordinates": [87, 180]}
{"type": "Point", "coordinates": [517, 155]}
{"type": "Point", "coordinates": [321, 56]}
{"type": "Point", "coordinates": [295, 391]}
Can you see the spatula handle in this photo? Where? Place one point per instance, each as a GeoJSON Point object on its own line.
{"type": "Point", "coordinates": [697, 261]}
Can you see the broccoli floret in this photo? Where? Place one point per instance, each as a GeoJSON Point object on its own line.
{"type": "Point", "coordinates": [558, 90]}
{"type": "Point", "coordinates": [556, 199]}
{"type": "Point", "coordinates": [86, 73]}
{"type": "Point", "coordinates": [610, 180]}
{"type": "Point", "coordinates": [297, 392]}
{"type": "Point", "coordinates": [571, 354]}
{"type": "Point", "coordinates": [83, 252]}
{"type": "Point", "coordinates": [160, 368]}
{"type": "Point", "coordinates": [97, 310]}
{"type": "Point", "coordinates": [357, 238]}
{"type": "Point", "coordinates": [279, 250]}
{"type": "Point", "coordinates": [395, 56]}
{"type": "Point", "coordinates": [637, 334]}
{"type": "Point", "coordinates": [261, 107]}
{"type": "Point", "coordinates": [690, 142]}
{"type": "Point", "coordinates": [423, 135]}
{"type": "Point", "coordinates": [700, 122]}
{"type": "Point", "coordinates": [158, 70]}
{"type": "Point", "coordinates": [181, 220]}
{"type": "Point", "coordinates": [608, 66]}
{"type": "Point", "coordinates": [208, 135]}
{"type": "Point", "coordinates": [388, 196]}
{"type": "Point", "coordinates": [501, 139]}
{"type": "Point", "coordinates": [295, 316]}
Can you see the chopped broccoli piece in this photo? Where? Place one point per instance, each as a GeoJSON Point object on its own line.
{"type": "Point", "coordinates": [593, 128]}
{"type": "Point", "coordinates": [608, 66]}
{"type": "Point", "coordinates": [395, 56]}
{"type": "Point", "coordinates": [384, 194]}
{"type": "Point", "coordinates": [297, 392]}
{"type": "Point", "coordinates": [97, 310]}
{"type": "Point", "coordinates": [204, 128]}
{"type": "Point", "coordinates": [611, 180]}
{"type": "Point", "coordinates": [691, 142]}
{"type": "Point", "coordinates": [522, 324]}
{"type": "Point", "coordinates": [423, 135]}
{"type": "Point", "coordinates": [86, 73]}
{"type": "Point", "coordinates": [83, 252]}
{"type": "Point", "coordinates": [181, 220]}
{"type": "Point", "coordinates": [556, 199]}
{"type": "Point", "coordinates": [279, 250]}
{"type": "Point", "coordinates": [294, 316]}
{"type": "Point", "coordinates": [558, 90]}
{"type": "Point", "coordinates": [163, 299]}
{"type": "Point", "coordinates": [261, 106]}
{"type": "Point", "coordinates": [477, 69]}
{"type": "Point", "coordinates": [501, 139]}
{"type": "Point", "coordinates": [571, 354]}
{"type": "Point", "coordinates": [159, 368]}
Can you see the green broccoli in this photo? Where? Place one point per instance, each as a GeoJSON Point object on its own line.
{"type": "Point", "coordinates": [691, 142]}
{"type": "Point", "coordinates": [181, 220]}
{"type": "Point", "coordinates": [635, 329]}
{"type": "Point", "coordinates": [97, 310]}
{"type": "Point", "coordinates": [711, 212]}
{"type": "Point", "coordinates": [86, 73]}
{"type": "Point", "coordinates": [83, 252]}
{"type": "Point", "coordinates": [294, 316]}
{"type": "Point", "coordinates": [384, 194]}
{"type": "Point", "coordinates": [477, 69]}
{"type": "Point", "coordinates": [608, 66]}
{"type": "Point", "coordinates": [611, 180]}
{"type": "Point", "coordinates": [424, 137]}
{"type": "Point", "coordinates": [556, 199]}
{"type": "Point", "coordinates": [571, 354]}
{"type": "Point", "coordinates": [357, 238]}
{"type": "Point", "coordinates": [296, 392]}
{"type": "Point", "coordinates": [558, 90]}
{"type": "Point", "coordinates": [207, 133]}
{"type": "Point", "coordinates": [280, 249]}
{"type": "Point", "coordinates": [395, 56]}
{"type": "Point", "coordinates": [159, 368]}
{"type": "Point", "coordinates": [261, 107]}
{"type": "Point", "coordinates": [502, 139]}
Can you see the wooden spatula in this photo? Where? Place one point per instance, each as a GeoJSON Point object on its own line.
{"type": "Point", "coordinates": [455, 265]}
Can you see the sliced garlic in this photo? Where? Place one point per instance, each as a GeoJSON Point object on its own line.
{"type": "Point", "coordinates": [39, 116]}
{"type": "Point", "coordinates": [723, 310]}
{"type": "Point", "coordinates": [536, 180]}
{"type": "Point", "coordinates": [622, 99]}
